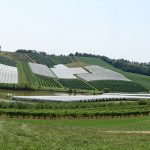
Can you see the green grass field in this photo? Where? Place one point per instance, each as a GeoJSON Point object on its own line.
{"type": "Point", "coordinates": [102, 134]}
{"type": "Point", "coordinates": [141, 79]}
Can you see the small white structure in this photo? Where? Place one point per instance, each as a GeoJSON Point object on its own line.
{"type": "Point", "coordinates": [8, 74]}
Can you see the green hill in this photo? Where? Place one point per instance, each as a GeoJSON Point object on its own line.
{"type": "Point", "coordinates": [141, 79]}
{"type": "Point", "coordinates": [31, 81]}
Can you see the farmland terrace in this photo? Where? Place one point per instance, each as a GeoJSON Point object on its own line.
{"type": "Point", "coordinates": [32, 70]}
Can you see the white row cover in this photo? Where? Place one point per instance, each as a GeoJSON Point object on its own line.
{"type": "Point", "coordinates": [41, 70]}
{"type": "Point", "coordinates": [8, 74]}
{"type": "Point", "coordinates": [63, 72]}
{"type": "Point", "coordinates": [78, 70]}
{"type": "Point", "coordinates": [81, 97]}
{"type": "Point", "coordinates": [99, 73]}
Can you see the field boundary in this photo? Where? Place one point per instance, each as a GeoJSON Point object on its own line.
{"type": "Point", "coordinates": [126, 132]}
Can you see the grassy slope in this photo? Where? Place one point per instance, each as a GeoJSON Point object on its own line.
{"type": "Point", "coordinates": [76, 64]}
{"type": "Point", "coordinates": [74, 134]}
{"type": "Point", "coordinates": [141, 79]}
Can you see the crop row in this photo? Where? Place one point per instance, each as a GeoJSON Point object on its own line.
{"type": "Point", "coordinates": [45, 81]}
{"type": "Point", "coordinates": [69, 114]}
{"type": "Point", "coordinates": [61, 59]}
{"type": "Point", "coordinates": [7, 61]}
{"type": "Point", "coordinates": [99, 105]}
{"type": "Point", "coordinates": [26, 77]}
{"type": "Point", "coordinates": [28, 80]}
{"type": "Point", "coordinates": [42, 59]}
{"type": "Point", "coordinates": [75, 84]}
{"type": "Point", "coordinates": [22, 57]}
{"type": "Point", "coordinates": [117, 86]}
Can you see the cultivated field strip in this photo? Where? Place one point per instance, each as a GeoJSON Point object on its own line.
{"type": "Point", "coordinates": [22, 57]}
{"type": "Point", "coordinates": [41, 70]}
{"type": "Point", "coordinates": [75, 84]}
{"type": "Point", "coordinates": [8, 74]}
{"type": "Point", "coordinates": [63, 72]}
{"type": "Point", "coordinates": [81, 97]}
{"type": "Point", "coordinates": [99, 73]}
{"type": "Point", "coordinates": [77, 70]}
{"type": "Point", "coordinates": [45, 81]}
{"type": "Point", "coordinates": [117, 86]}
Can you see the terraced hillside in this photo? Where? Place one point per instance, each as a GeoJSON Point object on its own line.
{"type": "Point", "coordinates": [48, 82]}
{"type": "Point", "coordinates": [117, 86]}
{"type": "Point", "coordinates": [7, 61]}
{"type": "Point", "coordinates": [27, 80]}
{"type": "Point", "coordinates": [99, 73]}
{"type": "Point", "coordinates": [143, 80]}
{"type": "Point", "coordinates": [21, 57]}
{"type": "Point", "coordinates": [42, 57]}
{"type": "Point", "coordinates": [43, 72]}
{"type": "Point", "coordinates": [75, 84]}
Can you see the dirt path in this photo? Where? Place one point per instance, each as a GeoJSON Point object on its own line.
{"type": "Point", "coordinates": [127, 132]}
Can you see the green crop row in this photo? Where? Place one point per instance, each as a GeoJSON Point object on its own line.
{"type": "Point", "coordinates": [42, 59]}
{"type": "Point", "coordinates": [117, 86]}
{"type": "Point", "coordinates": [75, 84]}
{"type": "Point", "coordinates": [61, 59]}
{"type": "Point", "coordinates": [22, 57]}
{"type": "Point", "coordinates": [99, 105]}
{"type": "Point", "coordinates": [7, 61]}
{"type": "Point", "coordinates": [45, 81]}
{"type": "Point", "coordinates": [26, 77]}
{"type": "Point", "coordinates": [69, 114]}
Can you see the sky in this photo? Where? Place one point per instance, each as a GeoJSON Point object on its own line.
{"type": "Point", "coordinates": [114, 28]}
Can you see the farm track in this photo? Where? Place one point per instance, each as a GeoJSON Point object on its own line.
{"type": "Point", "coordinates": [126, 132]}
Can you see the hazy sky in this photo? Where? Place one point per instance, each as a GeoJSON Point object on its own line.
{"type": "Point", "coordinates": [114, 28]}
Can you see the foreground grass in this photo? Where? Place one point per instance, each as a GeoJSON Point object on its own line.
{"type": "Point", "coordinates": [74, 134]}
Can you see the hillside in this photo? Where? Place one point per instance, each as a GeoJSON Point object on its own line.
{"type": "Point", "coordinates": [122, 64]}
{"type": "Point", "coordinates": [40, 71]}
{"type": "Point", "coordinates": [141, 79]}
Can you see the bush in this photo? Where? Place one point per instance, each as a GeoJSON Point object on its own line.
{"type": "Point", "coordinates": [106, 90]}
{"type": "Point", "coordinates": [142, 102]}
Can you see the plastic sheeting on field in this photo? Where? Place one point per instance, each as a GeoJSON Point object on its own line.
{"type": "Point", "coordinates": [8, 74]}
{"type": "Point", "coordinates": [82, 97]}
{"type": "Point", "coordinates": [99, 73]}
{"type": "Point", "coordinates": [63, 72]}
{"type": "Point", "coordinates": [41, 70]}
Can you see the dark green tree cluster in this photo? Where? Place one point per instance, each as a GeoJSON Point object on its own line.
{"type": "Point", "coordinates": [7, 61]}
{"type": "Point", "coordinates": [44, 58]}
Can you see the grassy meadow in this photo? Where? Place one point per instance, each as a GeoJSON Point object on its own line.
{"type": "Point", "coordinates": [81, 134]}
